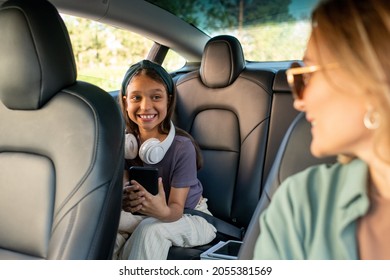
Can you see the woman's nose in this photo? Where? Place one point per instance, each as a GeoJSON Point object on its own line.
{"type": "Point", "coordinates": [299, 105]}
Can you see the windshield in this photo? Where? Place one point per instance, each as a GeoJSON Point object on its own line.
{"type": "Point", "coordinates": [269, 30]}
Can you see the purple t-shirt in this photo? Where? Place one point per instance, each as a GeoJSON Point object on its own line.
{"type": "Point", "coordinates": [178, 170]}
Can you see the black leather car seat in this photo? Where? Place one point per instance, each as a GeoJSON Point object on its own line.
{"type": "Point", "coordinates": [282, 115]}
{"type": "Point", "coordinates": [225, 106]}
{"type": "Point", "coordinates": [61, 144]}
{"type": "Point", "coordinates": [293, 156]}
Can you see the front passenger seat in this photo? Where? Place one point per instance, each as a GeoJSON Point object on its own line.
{"type": "Point", "coordinates": [61, 144]}
{"type": "Point", "coordinates": [293, 156]}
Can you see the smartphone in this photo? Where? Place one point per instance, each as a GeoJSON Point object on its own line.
{"type": "Point", "coordinates": [229, 250]}
{"type": "Point", "coordinates": [146, 176]}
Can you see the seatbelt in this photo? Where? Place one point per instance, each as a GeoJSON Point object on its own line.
{"type": "Point", "coordinates": [221, 226]}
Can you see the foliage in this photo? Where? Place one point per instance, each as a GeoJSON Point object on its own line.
{"type": "Point", "coordinates": [266, 29]}
{"type": "Point", "coordinates": [103, 53]}
{"type": "Point", "coordinates": [228, 14]}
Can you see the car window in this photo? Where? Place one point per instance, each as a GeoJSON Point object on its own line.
{"type": "Point", "coordinates": [103, 53]}
{"type": "Point", "coordinates": [269, 30]}
{"type": "Point", "coordinates": [173, 61]}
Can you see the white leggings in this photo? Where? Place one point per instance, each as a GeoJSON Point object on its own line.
{"type": "Point", "coordinates": [152, 238]}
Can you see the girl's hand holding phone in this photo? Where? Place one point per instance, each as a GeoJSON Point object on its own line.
{"type": "Point", "coordinates": [138, 199]}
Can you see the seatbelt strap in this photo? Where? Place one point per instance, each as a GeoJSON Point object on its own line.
{"type": "Point", "coordinates": [221, 226]}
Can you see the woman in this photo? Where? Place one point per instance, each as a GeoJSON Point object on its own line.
{"type": "Point", "coordinates": [147, 102]}
{"type": "Point", "coordinates": [342, 211]}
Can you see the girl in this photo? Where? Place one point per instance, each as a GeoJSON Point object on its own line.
{"type": "Point", "coordinates": [147, 102]}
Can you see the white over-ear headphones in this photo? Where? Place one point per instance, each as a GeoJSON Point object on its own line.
{"type": "Point", "coordinates": [131, 146]}
{"type": "Point", "coordinates": [152, 151]}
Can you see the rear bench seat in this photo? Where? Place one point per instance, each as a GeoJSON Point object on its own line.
{"type": "Point", "coordinates": [226, 107]}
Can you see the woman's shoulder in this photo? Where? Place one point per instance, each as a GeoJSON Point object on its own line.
{"type": "Point", "coordinates": [318, 182]}
{"type": "Point", "coordinates": [330, 173]}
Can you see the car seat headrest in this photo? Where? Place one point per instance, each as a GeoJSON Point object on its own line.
{"type": "Point", "coordinates": [36, 57]}
{"type": "Point", "coordinates": [222, 61]}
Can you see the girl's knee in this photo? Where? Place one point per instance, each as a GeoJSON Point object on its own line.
{"type": "Point", "coordinates": [149, 227]}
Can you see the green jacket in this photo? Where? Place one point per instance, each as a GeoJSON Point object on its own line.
{"type": "Point", "coordinates": [313, 215]}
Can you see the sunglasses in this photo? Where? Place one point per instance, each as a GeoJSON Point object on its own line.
{"type": "Point", "coordinates": [298, 76]}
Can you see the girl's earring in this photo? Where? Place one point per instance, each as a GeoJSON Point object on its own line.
{"type": "Point", "coordinates": [371, 119]}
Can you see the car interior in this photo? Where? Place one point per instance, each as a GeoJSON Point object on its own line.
{"type": "Point", "coordinates": [234, 150]}
{"type": "Point", "coordinates": [240, 112]}
{"type": "Point", "coordinates": [61, 161]}
{"type": "Point", "coordinates": [296, 141]}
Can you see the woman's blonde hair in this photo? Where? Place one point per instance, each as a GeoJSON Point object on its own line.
{"type": "Point", "coordinates": [357, 33]}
